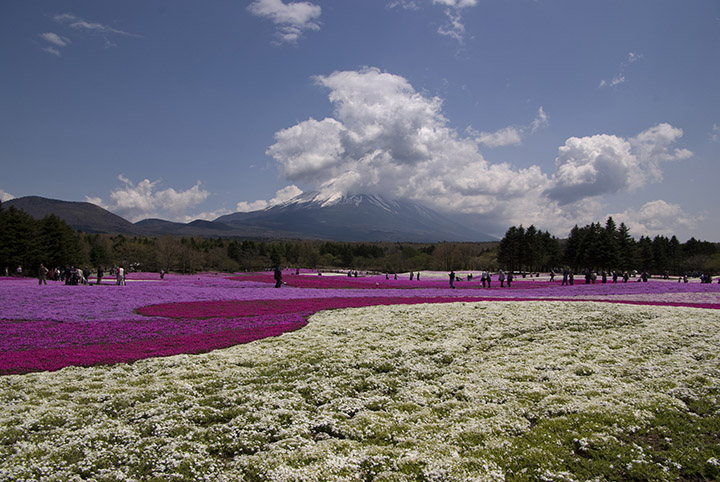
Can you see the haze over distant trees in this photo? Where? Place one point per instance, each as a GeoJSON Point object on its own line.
{"type": "Point", "coordinates": [27, 242]}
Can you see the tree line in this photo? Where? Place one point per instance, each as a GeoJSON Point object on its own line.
{"type": "Point", "coordinates": [27, 242]}
{"type": "Point", "coordinates": [604, 248]}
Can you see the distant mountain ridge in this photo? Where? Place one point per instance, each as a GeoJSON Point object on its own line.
{"type": "Point", "coordinates": [81, 216]}
{"type": "Point", "coordinates": [358, 217]}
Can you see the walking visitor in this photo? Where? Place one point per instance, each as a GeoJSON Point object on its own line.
{"type": "Point", "coordinates": [278, 277]}
{"type": "Point", "coordinates": [42, 275]}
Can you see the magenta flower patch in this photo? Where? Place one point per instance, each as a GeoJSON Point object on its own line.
{"type": "Point", "coordinates": [305, 307]}
{"type": "Point", "coordinates": [128, 346]}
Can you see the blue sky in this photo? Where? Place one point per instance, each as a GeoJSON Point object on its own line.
{"type": "Point", "coordinates": [552, 113]}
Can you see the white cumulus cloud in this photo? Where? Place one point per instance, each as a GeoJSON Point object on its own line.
{"type": "Point", "coordinates": [283, 195]}
{"type": "Point", "coordinates": [292, 19]}
{"type": "Point", "coordinates": [5, 196]}
{"type": "Point", "coordinates": [144, 200]}
{"type": "Point", "coordinates": [308, 149]}
{"type": "Point", "coordinates": [606, 164]}
{"type": "Point", "coordinates": [506, 136]}
{"type": "Point", "coordinates": [511, 135]}
{"type": "Point", "coordinates": [658, 218]}
{"type": "Point", "coordinates": [651, 145]}
{"type": "Point", "coordinates": [594, 165]}
{"type": "Point", "coordinates": [248, 207]}
{"type": "Point", "coordinates": [205, 215]}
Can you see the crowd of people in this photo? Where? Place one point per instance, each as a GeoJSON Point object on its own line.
{"type": "Point", "coordinates": [568, 277]}
{"type": "Point", "coordinates": [70, 275]}
{"type": "Point", "coordinates": [486, 278]}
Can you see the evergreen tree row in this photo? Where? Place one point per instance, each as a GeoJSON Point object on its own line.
{"type": "Point", "coordinates": [604, 248]}
{"type": "Point", "coordinates": [26, 242]}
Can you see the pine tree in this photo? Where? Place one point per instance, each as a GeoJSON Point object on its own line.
{"type": "Point", "coordinates": [645, 249]}
{"type": "Point", "coordinates": [510, 248]}
{"type": "Point", "coordinates": [530, 248]}
{"type": "Point", "coordinates": [610, 252]}
{"type": "Point", "coordinates": [572, 248]}
{"type": "Point", "coordinates": [660, 248]}
{"type": "Point", "coordinates": [58, 244]}
{"type": "Point", "coordinates": [626, 248]}
{"type": "Point", "coordinates": [551, 252]}
{"type": "Point", "coordinates": [674, 255]}
{"type": "Point", "coordinates": [18, 241]}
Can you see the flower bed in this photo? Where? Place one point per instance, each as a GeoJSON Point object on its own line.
{"type": "Point", "coordinates": [54, 326]}
{"type": "Point", "coordinates": [51, 346]}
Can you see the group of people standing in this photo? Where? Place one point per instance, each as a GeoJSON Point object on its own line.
{"type": "Point", "coordinates": [485, 278]}
{"type": "Point", "coordinates": [70, 275]}
{"type": "Point", "coordinates": [592, 276]}
{"type": "Point", "coordinates": [76, 276]}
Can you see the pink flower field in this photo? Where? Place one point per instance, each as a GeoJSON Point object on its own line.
{"type": "Point", "coordinates": [54, 326]}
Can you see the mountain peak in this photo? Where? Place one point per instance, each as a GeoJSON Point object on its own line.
{"type": "Point", "coordinates": [355, 217]}
{"type": "Point", "coordinates": [321, 199]}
